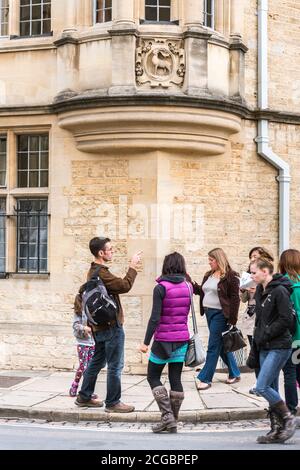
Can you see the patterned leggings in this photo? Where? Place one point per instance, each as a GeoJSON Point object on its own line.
{"type": "Point", "coordinates": [85, 354]}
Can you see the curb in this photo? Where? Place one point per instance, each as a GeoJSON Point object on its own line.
{"type": "Point", "coordinates": [74, 416]}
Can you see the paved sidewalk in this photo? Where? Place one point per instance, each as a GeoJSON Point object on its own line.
{"type": "Point", "coordinates": [44, 395]}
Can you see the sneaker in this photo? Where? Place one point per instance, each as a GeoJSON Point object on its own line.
{"type": "Point", "coordinates": [120, 408]}
{"type": "Point", "coordinates": [89, 404]}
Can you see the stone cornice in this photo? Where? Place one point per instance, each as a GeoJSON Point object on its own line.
{"type": "Point", "coordinates": [221, 104]}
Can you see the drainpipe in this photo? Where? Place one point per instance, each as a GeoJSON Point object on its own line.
{"type": "Point", "coordinates": [262, 140]}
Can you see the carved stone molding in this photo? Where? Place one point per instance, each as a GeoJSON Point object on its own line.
{"type": "Point", "coordinates": [146, 128]}
{"type": "Point", "coordinates": [160, 63]}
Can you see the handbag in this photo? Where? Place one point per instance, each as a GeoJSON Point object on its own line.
{"type": "Point", "coordinates": [196, 354]}
{"type": "Point", "coordinates": [253, 358]}
{"type": "Point", "coordinates": [233, 340]}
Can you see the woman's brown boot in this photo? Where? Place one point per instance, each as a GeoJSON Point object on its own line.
{"type": "Point", "coordinates": [168, 422]}
{"type": "Point", "coordinates": [176, 402]}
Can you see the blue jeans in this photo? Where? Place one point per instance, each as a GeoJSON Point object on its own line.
{"type": "Point", "coordinates": [217, 323]}
{"type": "Point", "coordinates": [271, 363]}
{"type": "Point", "coordinates": [109, 349]}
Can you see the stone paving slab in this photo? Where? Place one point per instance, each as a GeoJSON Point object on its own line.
{"type": "Point", "coordinates": [45, 396]}
{"type": "Point", "coordinates": [226, 400]}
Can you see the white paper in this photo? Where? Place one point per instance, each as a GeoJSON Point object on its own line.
{"type": "Point", "coordinates": [246, 281]}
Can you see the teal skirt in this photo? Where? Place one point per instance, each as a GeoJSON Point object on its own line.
{"type": "Point", "coordinates": [177, 356]}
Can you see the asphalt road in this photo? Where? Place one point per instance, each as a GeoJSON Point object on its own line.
{"type": "Point", "coordinates": [34, 436]}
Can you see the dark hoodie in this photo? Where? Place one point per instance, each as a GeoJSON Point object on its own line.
{"type": "Point", "coordinates": [273, 314]}
{"type": "Point", "coordinates": [162, 350]}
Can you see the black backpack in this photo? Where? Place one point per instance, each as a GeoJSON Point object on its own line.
{"type": "Point", "coordinates": [99, 307]}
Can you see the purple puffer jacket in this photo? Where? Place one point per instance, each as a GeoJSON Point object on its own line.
{"type": "Point", "coordinates": [173, 325]}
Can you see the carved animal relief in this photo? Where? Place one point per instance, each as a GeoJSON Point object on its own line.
{"type": "Point", "coordinates": [160, 63]}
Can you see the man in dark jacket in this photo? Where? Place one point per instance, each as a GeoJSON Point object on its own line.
{"type": "Point", "coordinates": [273, 340]}
{"type": "Point", "coordinates": [109, 339]}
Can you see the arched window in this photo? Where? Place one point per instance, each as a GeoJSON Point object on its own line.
{"type": "Point", "coordinates": [209, 16]}
{"type": "Point", "coordinates": [103, 11]}
{"type": "Point", "coordinates": [158, 10]}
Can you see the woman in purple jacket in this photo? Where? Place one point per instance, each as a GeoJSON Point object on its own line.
{"type": "Point", "coordinates": [169, 326]}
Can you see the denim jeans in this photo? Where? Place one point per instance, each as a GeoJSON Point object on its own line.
{"type": "Point", "coordinates": [271, 363]}
{"type": "Point", "coordinates": [109, 349]}
{"type": "Point", "coordinates": [290, 385]}
{"type": "Point", "coordinates": [217, 323]}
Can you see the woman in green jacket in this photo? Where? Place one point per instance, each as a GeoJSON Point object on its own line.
{"type": "Point", "coordinates": [289, 265]}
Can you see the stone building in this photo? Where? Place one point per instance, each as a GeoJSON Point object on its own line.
{"type": "Point", "coordinates": [164, 124]}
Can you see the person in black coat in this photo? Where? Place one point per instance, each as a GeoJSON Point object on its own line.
{"type": "Point", "coordinates": [273, 341]}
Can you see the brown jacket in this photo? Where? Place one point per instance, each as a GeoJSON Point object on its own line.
{"type": "Point", "coordinates": [228, 290]}
{"type": "Point", "coordinates": [115, 286]}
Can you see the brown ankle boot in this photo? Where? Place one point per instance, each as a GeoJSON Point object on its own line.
{"type": "Point", "coordinates": [271, 436]}
{"type": "Point", "coordinates": [176, 402]}
{"type": "Point", "coordinates": [288, 422]}
{"type": "Point", "coordinates": [167, 422]}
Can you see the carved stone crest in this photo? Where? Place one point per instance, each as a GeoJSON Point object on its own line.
{"type": "Point", "coordinates": [160, 63]}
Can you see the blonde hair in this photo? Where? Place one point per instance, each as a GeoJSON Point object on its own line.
{"type": "Point", "coordinates": [219, 255]}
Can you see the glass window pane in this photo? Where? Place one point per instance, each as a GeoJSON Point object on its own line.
{"type": "Point", "coordinates": [34, 143]}
{"type": "Point", "coordinates": [36, 12]}
{"type": "Point", "coordinates": [2, 145]}
{"type": "Point", "coordinates": [100, 4]}
{"type": "Point", "coordinates": [34, 161]}
{"type": "Point", "coordinates": [25, 29]}
{"type": "Point", "coordinates": [22, 179]}
{"type": "Point", "coordinates": [33, 179]}
{"type": "Point", "coordinates": [25, 13]}
{"type": "Point", "coordinates": [33, 236]}
{"type": "Point", "coordinates": [22, 143]}
{"type": "Point", "coordinates": [2, 178]}
{"type": "Point", "coordinates": [43, 251]}
{"type": "Point", "coordinates": [36, 28]}
{"type": "Point", "coordinates": [164, 14]}
{"type": "Point", "coordinates": [44, 161]}
{"type": "Point", "coordinates": [165, 3]}
{"type": "Point", "coordinates": [2, 162]}
{"type": "Point", "coordinates": [151, 14]}
{"type": "Point", "coordinates": [44, 179]}
{"type": "Point", "coordinates": [151, 2]}
{"type": "Point", "coordinates": [32, 265]}
{"type": "Point", "coordinates": [44, 142]}
{"type": "Point", "coordinates": [107, 15]}
{"type": "Point", "coordinates": [46, 27]}
{"type": "Point", "coordinates": [108, 4]}
{"type": "Point", "coordinates": [47, 11]}
{"type": "Point", "coordinates": [23, 250]}
{"type": "Point", "coordinates": [22, 265]}
{"type": "Point", "coordinates": [22, 161]}
{"type": "Point", "coordinates": [33, 251]}
{"type": "Point", "coordinates": [43, 265]}
{"type": "Point", "coordinates": [23, 235]}
{"type": "Point", "coordinates": [24, 2]}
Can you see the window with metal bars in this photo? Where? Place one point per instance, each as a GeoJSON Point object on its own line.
{"type": "Point", "coordinates": [158, 10]}
{"type": "Point", "coordinates": [2, 236]}
{"type": "Point", "coordinates": [3, 158]}
{"type": "Point", "coordinates": [103, 11]}
{"type": "Point", "coordinates": [35, 17]}
{"type": "Point", "coordinates": [33, 161]}
{"type": "Point", "coordinates": [32, 235]}
{"type": "Point", "coordinates": [4, 14]}
{"type": "Point", "coordinates": [209, 13]}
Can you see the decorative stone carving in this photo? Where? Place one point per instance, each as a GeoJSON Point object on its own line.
{"type": "Point", "coordinates": [160, 63]}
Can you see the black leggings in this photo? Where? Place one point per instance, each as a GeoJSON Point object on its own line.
{"type": "Point", "coordinates": [174, 373]}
